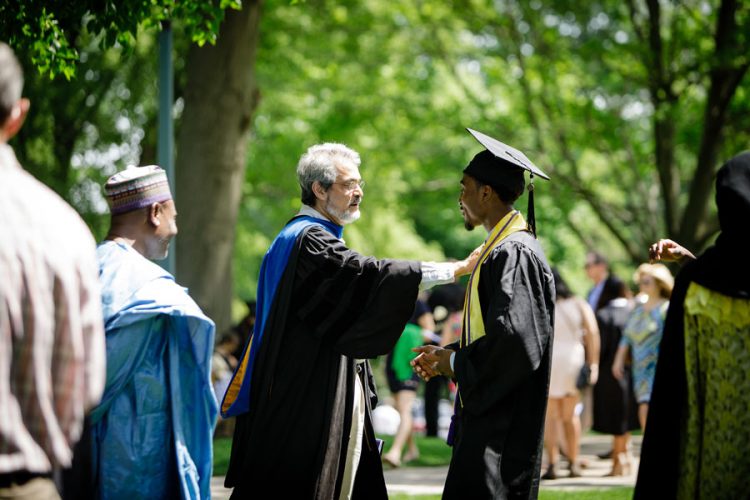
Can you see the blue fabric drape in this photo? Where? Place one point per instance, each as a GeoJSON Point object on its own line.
{"type": "Point", "coordinates": [152, 431]}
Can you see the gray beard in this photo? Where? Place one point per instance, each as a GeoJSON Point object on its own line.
{"type": "Point", "coordinates": [343, 216]}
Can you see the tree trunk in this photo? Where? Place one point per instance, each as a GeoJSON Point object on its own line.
{"type": "Point", "coordinates": [725, 77]}
{"type": "Point", "coordinates": [220, 98]}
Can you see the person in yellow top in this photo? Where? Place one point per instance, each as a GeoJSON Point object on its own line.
{"type": "Point", "coordinates": [502, 362]}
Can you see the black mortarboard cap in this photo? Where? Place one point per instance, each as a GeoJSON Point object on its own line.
{"type": "Point", "coordinates": [507, 153]}
{"type": "Point", "coordinates": [509, 163]}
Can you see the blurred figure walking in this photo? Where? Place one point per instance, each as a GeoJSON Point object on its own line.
{"type": "Point", "coordinates": [643, 332]}
{"type": "Point", "coordinates": [575, 356]}
{"type": "Point", "coordinates": [614, 404]}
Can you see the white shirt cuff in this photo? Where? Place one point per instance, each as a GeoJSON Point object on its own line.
{"type": "Point", "coordinates": [453, 357]}
{"type": "Point", "coordinates": [437, 273]}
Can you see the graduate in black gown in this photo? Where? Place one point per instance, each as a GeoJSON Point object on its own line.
{"type": "Point", "coordinates": [502, 363]}
{"type": "Point", "coordinates": [302, 392]}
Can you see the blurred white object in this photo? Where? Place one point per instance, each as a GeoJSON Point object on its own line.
{"type": "Point", "coordinates": [385, 420]}
{"type": "Point", "coordinates": [445, 412]}
{"type": "Point", "coordinates": [417, 412]}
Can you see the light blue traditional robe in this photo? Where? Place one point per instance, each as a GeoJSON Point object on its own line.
{"type": "Point", "coordinates": [152, 432]}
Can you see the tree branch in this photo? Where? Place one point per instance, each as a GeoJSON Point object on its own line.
{"type": "Point", "coordinates": [724, 81]}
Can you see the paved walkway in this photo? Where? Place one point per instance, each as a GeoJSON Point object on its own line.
{"type": "Point", "coordinates": [430, 480]}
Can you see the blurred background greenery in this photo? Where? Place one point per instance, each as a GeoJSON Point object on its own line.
{"type": "Point", "coordinates": [629, 106]}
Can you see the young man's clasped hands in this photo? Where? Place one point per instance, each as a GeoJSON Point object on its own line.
{"type": "Point", "coordinates": [432, 361]}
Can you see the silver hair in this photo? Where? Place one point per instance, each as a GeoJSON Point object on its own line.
{"type": "Point", "coordinates": [11, 81]}
{"type": "Point", "coordinates": [319, 164]}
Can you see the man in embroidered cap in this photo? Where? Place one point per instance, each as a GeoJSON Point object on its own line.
{"type": "Point", "coordinates": [152, 431]}
{"type": "Point", "coordinates": [503, 360]}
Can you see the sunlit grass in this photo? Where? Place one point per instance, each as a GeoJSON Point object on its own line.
{"type": "Point", "coordinates": [222, 449]}
{"type": "Point", "coordinates": [432, 452]}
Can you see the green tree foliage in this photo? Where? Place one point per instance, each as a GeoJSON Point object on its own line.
{"type": "Point", "coordinates": [629, 106]}
{"type": "Point", "coordinates": [49, 31]}
{"type": "Point", "coordinates": [79, 132]}
{"type": "Point", "coordinates": [613, 99]}
{"type": "Point", "coordinates": [325, 78]}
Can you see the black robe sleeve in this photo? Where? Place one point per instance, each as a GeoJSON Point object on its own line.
{"type": "Point", "coordinates": [358, 305]}
{"type": "Point", "coordinates": [517, 320]}
{"type": "Point", "coordinates": [658, 471]}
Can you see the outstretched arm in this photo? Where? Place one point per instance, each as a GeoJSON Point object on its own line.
{"type": "Point", "coordinates": [440, 273]}
{"type": "Point", "coordinates": [669, 251]}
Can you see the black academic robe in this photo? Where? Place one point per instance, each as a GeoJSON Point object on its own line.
{"type": "Point", "coordinates": [503, 378]}
{"type": "Point", "coordinates": [610, 291]}
{"type": "Point", "coordinates": [722, 268]}
{"type": "Point", "coordinates": [615, 407]}
{"type": "Point", "coordinates": [332, 306]}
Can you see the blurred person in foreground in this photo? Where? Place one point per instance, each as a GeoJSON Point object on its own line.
{"type": "Point", "coordinates": [303, 392]}
{"type": "Point", "coordinates": [502, 363]}
{"type": "Point", "coordinates": [51, 332]}
{"type": "Point", "coordinates": [615, 407]}
{"type": "Point", "coordinates": [575, 354]}
{"type": "Point", "coordinates": [152, 432]}
{"type": "Point", "coordinates": [696, 442]}
{"type": "Point", "coordinates": [643, 331]}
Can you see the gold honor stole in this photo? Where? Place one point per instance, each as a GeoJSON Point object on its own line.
{"type": "Point", "coordinates": [473, 323]}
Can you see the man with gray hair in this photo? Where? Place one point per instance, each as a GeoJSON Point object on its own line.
{"type": "Point", "coordinates": [303, 392]}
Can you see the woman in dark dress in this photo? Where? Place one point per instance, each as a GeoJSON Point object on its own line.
{"type": "Point", "coordinates": [614, 403]}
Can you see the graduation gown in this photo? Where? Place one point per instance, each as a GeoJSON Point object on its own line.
{"type": "Point", "coordinates": [330, 307]}
{"type": "Point", "coordinates": [503, 377]}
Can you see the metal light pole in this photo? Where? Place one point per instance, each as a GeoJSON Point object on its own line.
{"type": "Point", "coordinates": [165, 145]}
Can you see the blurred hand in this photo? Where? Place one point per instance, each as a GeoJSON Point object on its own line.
{"type": "Point", "coordinates": [467, 265]}
{"type": "Point", "coordinates": [617, 368]}
{"type": "Point", "coordinates": [668, 251]}
{"type": "Point", "coordinates": [594, 374]}
{"type": "Point", "coordinates": [431, 362]}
